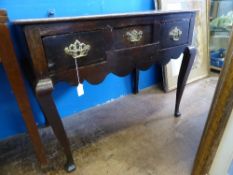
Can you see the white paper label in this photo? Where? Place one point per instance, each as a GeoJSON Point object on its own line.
{"type": "Point", "coordinates": [80, 89]}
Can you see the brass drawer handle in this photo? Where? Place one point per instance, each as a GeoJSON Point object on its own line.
{"type": "Point", "coordinates": [77, 49]}
{"type": "Point", "coordinates": [175, 34]}
{"type": "Point", "coordinates": [134, 35]}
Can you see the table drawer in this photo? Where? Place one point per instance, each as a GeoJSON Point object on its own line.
{"type": "Point", "coordinates": [87, 47]}
{"type": "Point", "coordinates": [174, 33]}
{"type": "Point", "coordinates": [131, 36]}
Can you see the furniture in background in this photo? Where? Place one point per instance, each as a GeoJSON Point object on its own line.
{"type": "Point", "coordinates": [12, 69]}
{"type": "Point", "coordinates": [94, 46]}
{"type": "Point", "coordinates": [221, 23]}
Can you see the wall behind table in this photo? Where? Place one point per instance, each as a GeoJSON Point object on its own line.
{"type": "Point", "coordinates": [66, 99]}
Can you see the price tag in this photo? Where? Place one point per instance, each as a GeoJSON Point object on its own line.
{"type": "Point", "coordinates": [80, 90]}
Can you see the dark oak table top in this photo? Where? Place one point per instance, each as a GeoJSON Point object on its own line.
{"type": "Point", "coordinates": [94, 17]}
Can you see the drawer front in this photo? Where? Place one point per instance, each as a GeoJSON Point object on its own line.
{"type": "Point", "coordinates": [132, 36]}
{"type": "Point", "coordinates": [87, 47]}
{"type": "Point", "coordinates": [174, 33]}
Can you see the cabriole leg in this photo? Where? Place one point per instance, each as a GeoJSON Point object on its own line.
{"type": "Point", "coordinates": [43, 91]}
{"type": "Point", "coordinates": [186, 66]}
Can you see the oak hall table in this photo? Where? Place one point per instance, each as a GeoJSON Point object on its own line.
{"type": "Point", "coordinates": [94, 46]}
